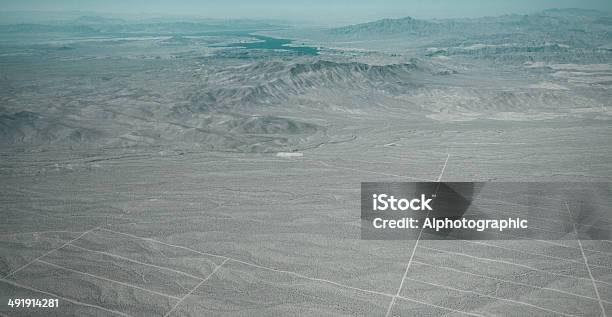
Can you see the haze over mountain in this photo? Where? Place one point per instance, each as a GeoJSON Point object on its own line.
{"type": "Point", "coordinates": [583, 27]}
{"type": "Point", "coordinates": [316, 12]}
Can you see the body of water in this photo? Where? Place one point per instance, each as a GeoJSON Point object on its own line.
{"type": "Point", "coordinates": [271, 43]}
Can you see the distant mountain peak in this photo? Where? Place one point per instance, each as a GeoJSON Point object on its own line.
{"type": "Point", "coordinates": [390, 26]}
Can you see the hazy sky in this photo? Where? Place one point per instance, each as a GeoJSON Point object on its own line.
{"type": "Point", "coordinates": [320, 11]}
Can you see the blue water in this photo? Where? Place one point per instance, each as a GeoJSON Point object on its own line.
{"type": "Point", "coordinates": [271, 43]}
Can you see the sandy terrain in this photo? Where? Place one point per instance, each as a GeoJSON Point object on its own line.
{"type": "Point", "coordinates": [174, 176]}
